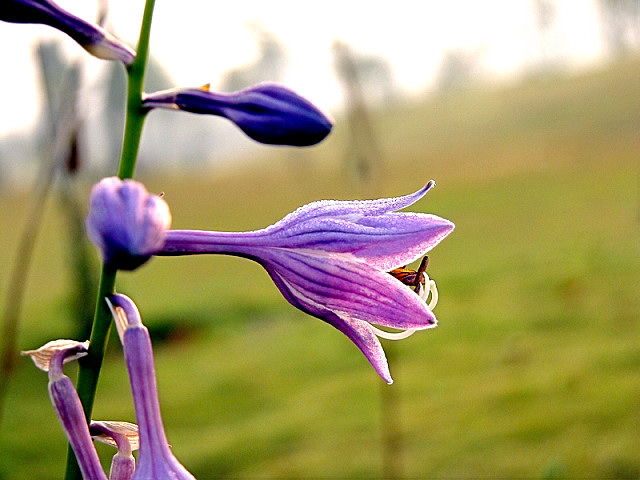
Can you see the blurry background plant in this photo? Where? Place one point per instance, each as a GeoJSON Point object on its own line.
{"type": "Point", "coordinates": [534, 368]}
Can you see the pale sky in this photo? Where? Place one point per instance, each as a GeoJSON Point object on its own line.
{"type": "Point", "coordinates": [197, 40]}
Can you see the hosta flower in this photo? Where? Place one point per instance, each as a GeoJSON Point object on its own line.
{"type": "Point", "coordinates": [331, 259]}
{"type": "Point", "coordinates": [155, 460]}
{"type": "Point", "coordinates": [67, 404]}
{"type": "Point", "coordinates": [268, 113]}
{"type": "Point", "coordinates": [126, 222]}
{"type": "Point", "coordinates": [91, 37]}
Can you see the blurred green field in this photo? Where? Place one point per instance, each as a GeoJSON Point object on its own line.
{"type": "Point", "coordinates": [533, 371]}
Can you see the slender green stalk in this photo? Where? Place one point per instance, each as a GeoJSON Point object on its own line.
{"type": "Point", "coordinates": [90, 365]}
{"type": "Point", "coordinates": [135, 113]}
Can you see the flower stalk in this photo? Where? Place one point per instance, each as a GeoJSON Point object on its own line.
{"type": "Point", "coordinates": [91, 365]}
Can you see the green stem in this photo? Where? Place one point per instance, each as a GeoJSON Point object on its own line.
{"type": "Point", "coordinates": [90, 366]}
{"type": "Point", "coordinates": [135, 88]}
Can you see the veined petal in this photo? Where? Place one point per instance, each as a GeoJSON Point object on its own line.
{"type": "Point", "coordinates": [350, 288]}
{"type": "Point", "coordinates": [341, 208]}
{"type": "Point", "coordinates": [362, 335]}
{"type": "Point", "coordinates": [384, 241]}
{"type": "Point", "coordinates": [359, 332]}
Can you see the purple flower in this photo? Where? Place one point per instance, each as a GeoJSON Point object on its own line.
{"type": "Point", "coordinates": [91, 37]}
{"type": "Point", "coordinates": [67, 404]}
{"type": "Point", "coordinates": [268, 113]}
{"type": "Point", "coordinates": [331, 260]}
{"type": "Point", "coordinates": [155, 460]}
{"type": "Point", "coordinates": [126, 222]}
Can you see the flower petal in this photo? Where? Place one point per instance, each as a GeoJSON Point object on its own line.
{"type": "Point", "coordinates": [384, 241]}
{"type": "Point", "coordinates": [350, 288]}
{"type": "Point", "coordinates": [360, 333]}
{"type": "Point", "coordinates": [339, 208]}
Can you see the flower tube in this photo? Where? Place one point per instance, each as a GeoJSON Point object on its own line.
{"type": "Point", "coordinates": [268, 113]}
{"type": "Point", "coordinates": [92, 38]}
{"type": "Point", "coordinates": [155, 460]}
{"type": "Point", "coordinates": [331, 260]}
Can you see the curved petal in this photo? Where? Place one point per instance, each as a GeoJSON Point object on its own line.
{"type": "Point", "coordinates": [359, 332]}
{"type": "Point", "coordinates": [350, 289]}
{"type": "Point", "coordinates": [326, 208]}
{"type": "Point", "coordinates": [383, 241]}
{"type": "Point", "coordinates": [362, 336]}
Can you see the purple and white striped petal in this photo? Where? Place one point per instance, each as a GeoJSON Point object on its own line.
{"type": "Point", "coordinates": [334, 291]}
{"type": "Point", "coordinates": [350, 289]}
{"type": "Point", "coordinates": [368, 230]}
{"type": "Point", "coordinates": [338, 208]}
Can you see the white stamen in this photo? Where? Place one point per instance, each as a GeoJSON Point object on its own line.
{"type": "Point", "coordinates": [424, 292]}
{"type": "Point", "coordinates": [393, 335]}
{"type": "Point", "coordinates": [434, 295]}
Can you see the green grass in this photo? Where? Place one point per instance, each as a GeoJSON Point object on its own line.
{"type": "Point", "coordinates": [533, 371]}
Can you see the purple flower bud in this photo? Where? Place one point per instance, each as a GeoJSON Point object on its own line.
{"type": "Point", "coordinates": [268, 113]}
{"type": "Point", "coordinates": [332, 259]}
{"type": "Point", "coordinates": [91, 37]}
{"type": "Point", "coordinates": [155, 460]}
{"type": "Point", "coordinates": [126, 222]}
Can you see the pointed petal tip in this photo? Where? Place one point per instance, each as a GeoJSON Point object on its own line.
{"type": "Point", "coordinates": [414, 197]}
{"type": "Point", "coordinates": [385, 375]}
